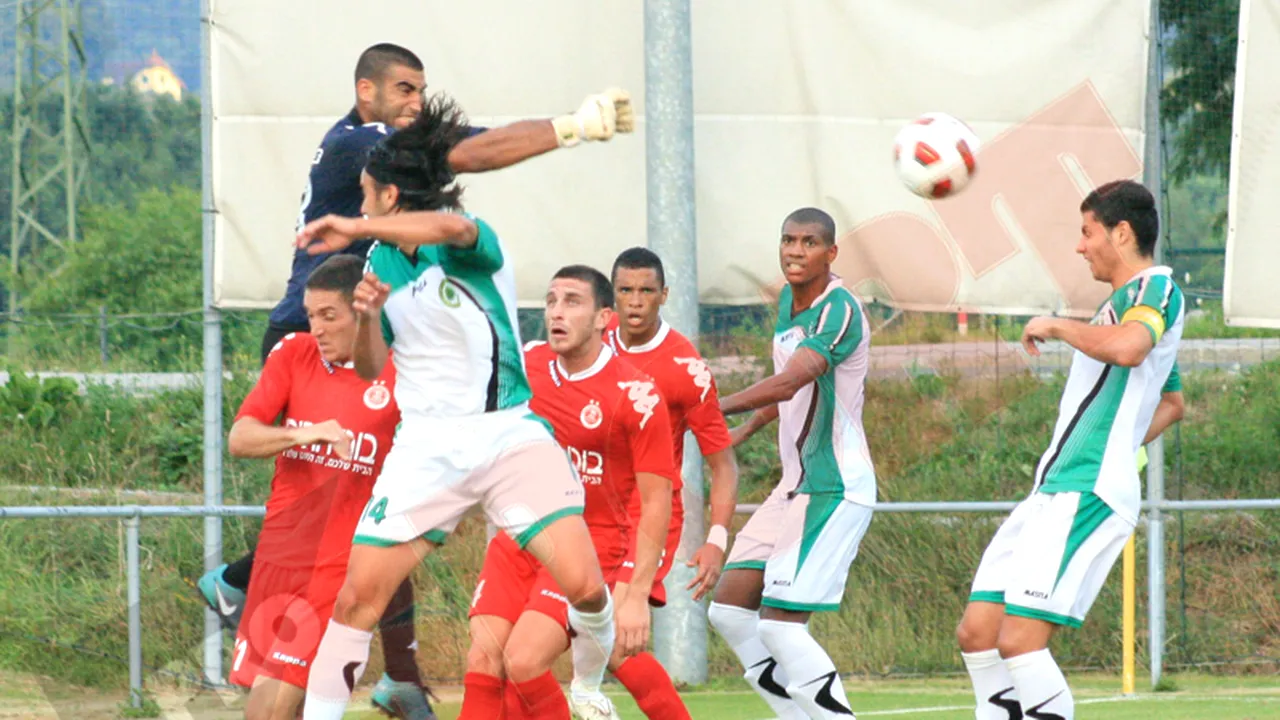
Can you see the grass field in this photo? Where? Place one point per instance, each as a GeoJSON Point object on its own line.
{"type": "Point", "coordinates": [1196, 698]}
{"type": "Point", "coordinates": [951, 699]}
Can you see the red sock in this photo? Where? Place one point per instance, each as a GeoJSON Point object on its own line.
{"type": "Point", "coordinates": [515, 709]}
{"type": "Point", "coordinates": [647, 681]}
{"type": "Point", "coordinates": [539, 698]}
{"type": "Point", "coordinates": [482, 697]}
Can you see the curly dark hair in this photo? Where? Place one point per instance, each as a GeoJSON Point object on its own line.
{"type": "Point", "coordinates": [416, 159]}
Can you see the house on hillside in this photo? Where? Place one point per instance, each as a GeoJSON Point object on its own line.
{"type": "Point", "coordinates": [154, 77]}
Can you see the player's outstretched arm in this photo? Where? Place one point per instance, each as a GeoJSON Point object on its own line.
{"type": "Point", "coordinates": [1125, 345]}
{"type": "Point", "coordinates": [503, 146]}
{"type": "Point", "coordinates": [600, 116]}
{"type": "Point", "coordinates": [252, 438]}
{"type": "Point", "coordinates": [804, 367]}
{"type": "Point", "coordinates": [1170, 410]}
{"type": "Point", "coordinates": [757, 422]}
{"type": "Point", "coordinates": [406, 230]}
{"type": "Point", "coordinates": [409, 230]}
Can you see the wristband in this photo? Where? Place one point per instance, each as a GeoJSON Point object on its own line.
{"type": "Point", "coordinates": [569, 130]}
{"type": "Point", "coordinates": [718, 536]}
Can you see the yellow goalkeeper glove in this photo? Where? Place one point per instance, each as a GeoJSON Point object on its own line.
{"type": "Point", "coordinates": [599, 117]}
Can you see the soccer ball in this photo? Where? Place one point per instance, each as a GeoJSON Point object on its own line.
{"type": "Point", "coordinates": [935, 155]}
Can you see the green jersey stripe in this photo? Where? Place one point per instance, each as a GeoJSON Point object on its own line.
{"type": "Point", "coordinates": [803, 436]}
{"type": "Point", "coordinates": [1075, 420]}
{"type": "Point", "coordinates": [491, 395]}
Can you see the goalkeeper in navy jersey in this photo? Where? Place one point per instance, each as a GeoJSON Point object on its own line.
{"type": "Point", "coordinates": [390, 85]}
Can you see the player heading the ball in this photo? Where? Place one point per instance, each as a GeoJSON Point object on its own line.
{"type": "Point", "coordinates": [440, 294]}
{"type": "Point", "coordinates": [1047, 562]}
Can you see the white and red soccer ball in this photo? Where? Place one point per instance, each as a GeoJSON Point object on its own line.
{"type": "Point", "coordinates": [935, 155]}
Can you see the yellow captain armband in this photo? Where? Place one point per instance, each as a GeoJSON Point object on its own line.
{"type": "Point", "coordinates": [1149, 317]}
{"type": "Point", "coordinates": [1142, 457]}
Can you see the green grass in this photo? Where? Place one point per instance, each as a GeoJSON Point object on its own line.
{"type": "Point", "coordinates": [951, 699]}
{"type": "Point", "coordinates": [1098, 697]}
{"type": "Point", "coordinates": [62, 609]}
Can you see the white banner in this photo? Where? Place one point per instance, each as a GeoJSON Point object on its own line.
{"type": "Point", "coordinates": [1251, 294]}
{"type": "Point", "coordinates": [796, 104]}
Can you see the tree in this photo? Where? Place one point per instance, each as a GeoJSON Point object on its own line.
{"type": "Point", "coordinates": [137, 142]}
{"type": "Point", "coordinates": [137, 258]}
{"type": "Point", "coordinates": [1198, 97]}
{"type": "Point", "coordinates": [140, 257]}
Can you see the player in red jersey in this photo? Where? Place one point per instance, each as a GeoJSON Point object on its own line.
{"type": "Point", "coordinates": [334, 431]}
{"type": "Point", "coordinates": [639, 335]}
{"type": "Point", "coordinates": [615, 427]}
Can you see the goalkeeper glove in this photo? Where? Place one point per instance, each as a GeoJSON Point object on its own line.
{"type": "Point", "coordinates": [599, 117]}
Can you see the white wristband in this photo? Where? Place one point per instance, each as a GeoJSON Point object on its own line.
{"type": "Point", "coordinates": [718, 536]}
{"type": "Point", "coordinates": [569, 130]}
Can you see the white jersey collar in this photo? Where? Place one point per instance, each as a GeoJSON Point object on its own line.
{"type": "Point", "coordinates": [1153, 270]}
{"type": "Point", "coordinates": [833, 281]}
{"type": "Point", "coordinates": [606, 354]}
{"type": "Point", "coordinates": [349, 365]}
{"type": "Point", "coordinates": [656, 341]}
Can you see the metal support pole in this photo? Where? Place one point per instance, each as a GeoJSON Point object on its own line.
{"type": "Point", "coordinates": [1153, 178]}
{"type": "Point", "coordinates": [134, 595]}
{"type": "Point", "coordinates": [103, 339]}
{"type": "Point", "coordinates": [1155, 561]}
{"type": "Point", "coordinates": [680, 629]}
{"type": "Point", "coordinates": [212, 355]}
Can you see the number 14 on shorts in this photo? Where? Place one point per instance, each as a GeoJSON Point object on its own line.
{"type": "Point", "coordinates": [376, 510]}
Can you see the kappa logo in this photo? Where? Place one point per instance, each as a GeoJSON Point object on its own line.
{"type": "Point", "coordinates": [377, 396]}
{"type": "Point", "coordinates": [591, 415]}
{"type": "Point", "coordinates": [700, 373]}
{"type": "Point", "coordinates": [288, 659]}
{"type": "Point", "coordinates": [642, 398]}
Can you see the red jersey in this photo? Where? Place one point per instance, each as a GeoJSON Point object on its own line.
{"type": "Point", "coordinates": [686, 384]}
{"type": "Point", "coordinates": [614, 424]}
{"type": "Point", "coordinates": [316, 497]}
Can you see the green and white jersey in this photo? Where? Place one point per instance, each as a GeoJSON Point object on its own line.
{"type": "Point", "coordinates": [451, 324]}
{"type": "Point", "coordinates": [1106, 409]}
{"type": "Point", "coordinates": [820, 437]}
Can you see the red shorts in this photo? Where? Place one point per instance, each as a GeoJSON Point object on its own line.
{"type": "Point", "coordinates": [513, 582]}
{"type": "Point", "coordinates": [658, 593]}
{"type": "Point", "coordinates": [284, 617]}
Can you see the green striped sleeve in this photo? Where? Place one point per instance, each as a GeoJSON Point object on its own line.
{"type": "Point", "coordinates": [839, 329]}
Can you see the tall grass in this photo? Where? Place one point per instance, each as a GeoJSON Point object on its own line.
{"type": "Point", "coordinates": [62, 593]}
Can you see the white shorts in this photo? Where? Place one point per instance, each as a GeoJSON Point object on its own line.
{"type": "Point", "coordinates": [506, 463]}
{"type": "Point", "coordinates": [1049, 559]}
{"type": "Point", "coordinates": [805, 544]}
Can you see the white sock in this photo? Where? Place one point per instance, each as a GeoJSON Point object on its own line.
{"type": "Point", "coordinates": [339, 663]}
{"type": "Point", "coordinates": [992, 686]}
{"type": "Point", "coordinates": [814, 683]}
{"type": "Point", "coordinates": [738, 628]}
{"type": "Point", "coordinates": [1042, 689]}
{"type": "Point", "coordinates": [593, 644]}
